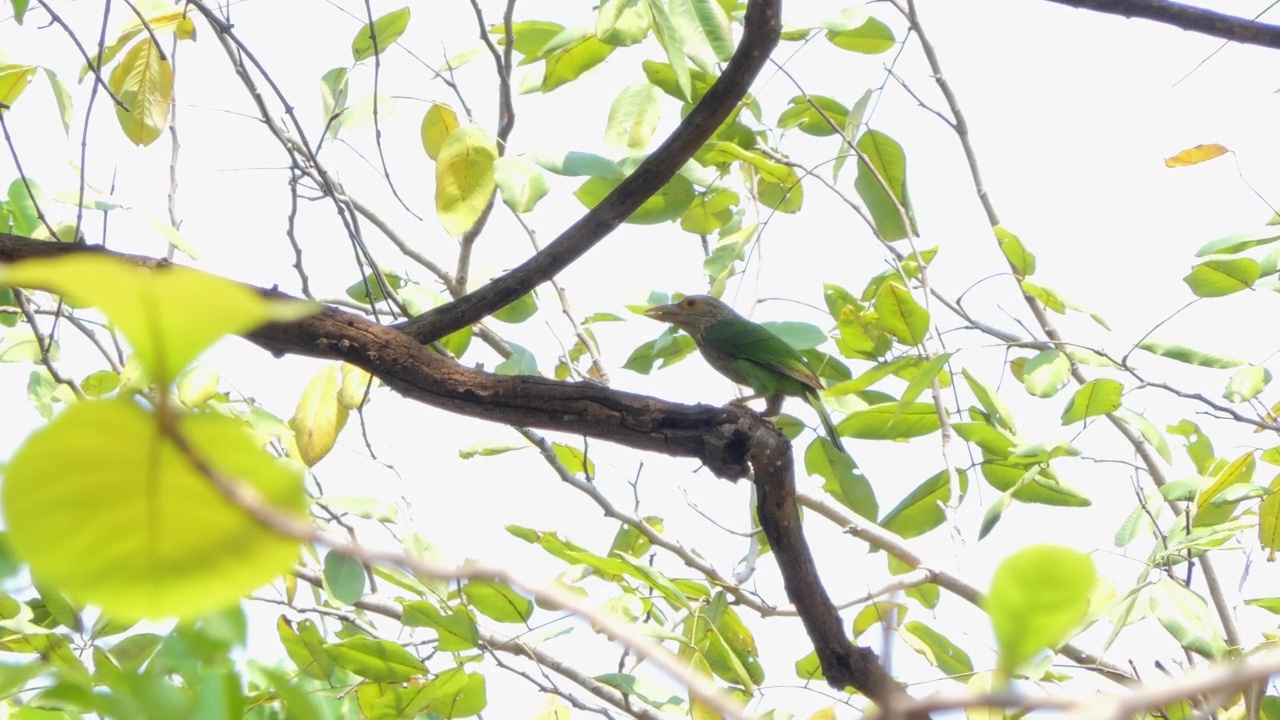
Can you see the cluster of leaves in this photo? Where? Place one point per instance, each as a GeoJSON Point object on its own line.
{"type": "Point", "coordinates": [136, 525]}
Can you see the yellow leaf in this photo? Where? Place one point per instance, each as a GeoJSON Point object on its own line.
{"type": "Point", "coordinates": [320, 416]}
{"type": "Point", "coordinates": [144, 83]}
{"type": "Point", "coordinates": [109, 510]}
{"type": "Point", "coordinates": [1269, 520]}
{"type": "Point", "coordinates": [464, 178]}
{"type": "Point", "coordinates": [1195, 155]}
{"type": "Point", "coordinates": [355, 383]}
{"type": "Point", "coordinates": [439, 121]}
{"type": "Point", "coordinates": [1239, 471]}
{"type": "Point", "coordinates": [13, 80]}
{"type": "Point", "coordinates": [168, 314]}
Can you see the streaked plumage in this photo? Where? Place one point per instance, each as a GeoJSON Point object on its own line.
{"type": "Point", "coordinates": [747, 354]}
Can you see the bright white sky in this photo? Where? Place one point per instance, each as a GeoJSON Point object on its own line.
{"type": "Point", "coordinates": [1071, 113]}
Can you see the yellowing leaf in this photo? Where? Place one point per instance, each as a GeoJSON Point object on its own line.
{"type": "Point", "coordinates": [1269, 520]}
{"type": "Point", "coordinates": [168, 314]}
{"type": "Point", "coordinates": [13, 80]}
{"type": "Point", "coordinates": [570, 63]}
{"type": "Point", "coordinates": [355, 385]}
{"type": "Point", "coordinates": [320, 417]}
{"type": "Point", "coordinates": [109, 510]}
{"type": "Point", "coordinates": [464, 178]}
{"type": "Point", "coordinates": [1209, 513]}
{"type": "Point", "coordinates": [370, 41]}
{"type": "Point", "coordinates": [437, 123]}
{"type": "Point", "coordinates": [1195, 155]}
{"type": "Point", "coordinates": [900, 315]}
{"type": "Point", "coordinates": [143, 80]}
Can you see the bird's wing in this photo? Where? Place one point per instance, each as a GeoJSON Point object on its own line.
{"type": "Point", "coordinates": [745, 340]}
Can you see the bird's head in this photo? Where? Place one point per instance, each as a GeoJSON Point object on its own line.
{"type": "Point", "coordinates": [692, 314]}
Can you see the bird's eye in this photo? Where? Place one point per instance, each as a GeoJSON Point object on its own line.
{"type": "Point", "coordinates": [689, 303]}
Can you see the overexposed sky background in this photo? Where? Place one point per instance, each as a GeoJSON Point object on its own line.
{"type": "Point", "coordinates": [1071, 114]}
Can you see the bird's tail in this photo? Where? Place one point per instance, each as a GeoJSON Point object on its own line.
{"type": "Point", "coordinates": [827, 424]}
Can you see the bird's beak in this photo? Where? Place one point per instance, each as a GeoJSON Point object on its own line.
{"type": "Point", "coordinates": [663, 313]}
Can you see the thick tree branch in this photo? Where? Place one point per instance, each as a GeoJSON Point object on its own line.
{"type": "Point", "coordinates": [761, 28]}
{"type": "Point", "coordinates": [1187, 17]}
{"type": "Point", "coordinates": [729, 440]}
{"type": "Point", "coordinates": [843, 663]}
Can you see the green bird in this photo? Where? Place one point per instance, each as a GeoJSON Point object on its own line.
{"type": "Point", "coordinates": [748, 354]}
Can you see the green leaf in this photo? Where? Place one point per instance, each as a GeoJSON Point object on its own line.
{"type": "Point", "coordinates": [799, 335]}
{"type": "Point", "coordinates": [633, 116]}
{"type": "Point", "coordinates": [1216, 278]}
{"type": "Point", "coordinates": [1233, 244]}
{"type": "Point", "coordinates": [518, 311]}
{"type": "Point", "coordinates": [304, 646]}
{"type": "Point", "coordinates": [1019, 257]}
{"type": "Point", "coordinates": [1199, 448]}
{"type": "Point", "coordinates": [995, 408]}
{"type": "Point", "coordinates": [521, 183]}
{"type": "Point", "coordinates": [871, 38]}
{"type": "Point", "coordinates": [376, 659]}
{"type": "Point", "coordinates": [900, 315]}
{"type": "Point", "coordinates": [710, 212]}
{"type": "Point", "coordinates": [169, 315]}
{"type": "Point", "coordinates": [1149, 432]}
{"type": "Point", "coordinates": [622, 22]}
{"type": "Point", "coordinates": [569, 64]}
{"type": "Point", "coordinates": [107, 509]}
{"type": "Point", "coordinates": [664, 77]}
{"type": "Point", "coordinates": [852, 124]}
{"type": "Point", "coordinates": [521, 362]}
{"type": "Point", "coordinates": [1271, 604]}
{"type": "Point", "coordinates": [842, 479]}
{"type": "Point", "coordinates": [61, 96]}
{"type": "Point", "coordinates": [1036, 485]}
{"type": "Point", "coordinates": [1046, 373]}
{"type": "Point", "coordinates": [879, 423]}
{"type": "Point", "coordinates": [530, 37]}
{"type": "Point", "coordinates": [455, 630]}
{"type": "Point", "coordinates": [1208, 509]}
{"type": "Point", "coordinates": [1186, 617]}
{"type": "Point", "coordinates": [1096, 397]}
{"type": "Point", "coordinates": [988, 438]}
{"type": "Point", "coordinates": [498, 601]}
{"type": "Point", "coordinates": [704, 30]}
{"type": "Point", "coordinates": [454, 693]}
{"type": "Point", "coordinates": [1190, 356]}
{"type": "Point", "coordinates": [667, 349]}
{"type": "Point", "coordinates": [922, 509]}
{"type": "Point", "coordinates": [816, 115]}
{"type": "Point", "coordinates": [579, 164]}
{"type": "Point", "coordinates": [937, 649]}
{"type": "Point", "coordinates": [387, 30]}
{"type": "Point", "coordinates": [668, 37]}
{"type": "Point", "coordinates": [464, 178]}
{"type": "Point", "coordinates": [669, 203]}
{"type": "Point", "coordinates": [344, 577]}
{"type": "Point", "coordinates": [1246, 383]}
{"type": "Point", "coordinates": [1038, 597]}
{"type": "Point", "coordinates": [887, 208]}
{"type": "Point", "coordinates": [143, 82]}
{"type": "Point", "coordinates": [786, 196]}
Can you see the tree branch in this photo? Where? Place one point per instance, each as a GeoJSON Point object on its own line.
{"type": "Point", "coordinates": [761, 29]}
{"type": "Point", "coordinates": [1187, 17]}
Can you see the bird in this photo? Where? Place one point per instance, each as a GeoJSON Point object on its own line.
{"type": "Point", "coordinates": [748, 354]}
